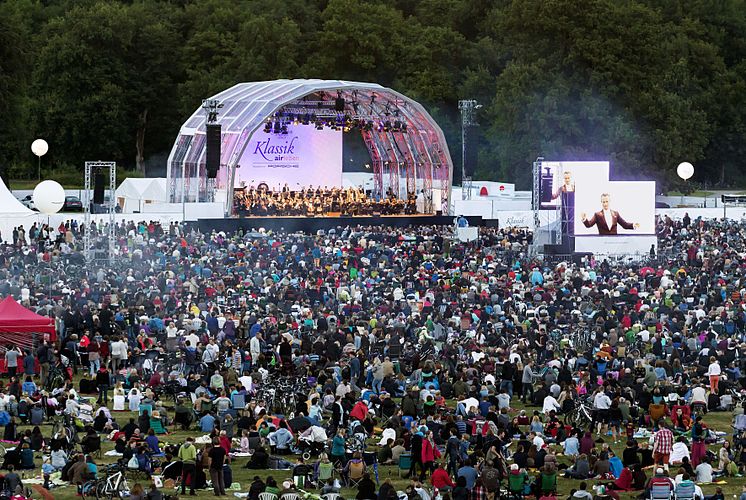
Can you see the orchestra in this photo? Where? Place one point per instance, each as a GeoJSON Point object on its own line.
{"type": "Point", "coordinates": [316, 201]}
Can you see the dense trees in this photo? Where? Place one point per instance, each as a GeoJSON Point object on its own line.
{"type": "Point", "coordinates": [645, 83]}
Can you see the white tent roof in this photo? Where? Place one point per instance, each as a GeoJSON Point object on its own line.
{"type": "Point", "coordinates": [150, 189]}
{"type": "Point", "coordinates": [9, 204]}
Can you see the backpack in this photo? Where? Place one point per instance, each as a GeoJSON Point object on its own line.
{"type": "Point", "coordinates": [37, 415]}
{"type": "Point", "coordinates": [23, 408]}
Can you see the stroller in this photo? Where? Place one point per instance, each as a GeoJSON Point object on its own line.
{"type": "Point", "coordinates": [312, 442]}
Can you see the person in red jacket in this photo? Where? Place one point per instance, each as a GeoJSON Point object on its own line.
{"type": "Point", "coordinates": [624, 482]}
{"type": "Point", "coordinates": [441, 480]}
{"type": "Point", "coordinates": [429, 454]}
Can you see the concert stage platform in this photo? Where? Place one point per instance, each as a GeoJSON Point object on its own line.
{"type": "Point", "coordinates": [313, 224]}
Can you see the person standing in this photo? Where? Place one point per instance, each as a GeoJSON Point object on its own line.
{"type": "Point", "coordinates": [188, 456]}
{"type": "Point", "coordinates": [662, 446]}
{"type": "Point", "coordinates": [11, 360]}
{"type": "Point", "coordinates": [527, 381]}
{"type": "Point", "coordinates": [217, 460]}
{"type": "Point", "coordinates": [103, 380]}
{"type": "Point", "coordinates": [714, 371]}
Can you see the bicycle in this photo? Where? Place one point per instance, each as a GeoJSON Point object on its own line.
{"type": "Point", "coordinates": [580, 416]}
{"type": "Point", "coordinates": [115, 485]}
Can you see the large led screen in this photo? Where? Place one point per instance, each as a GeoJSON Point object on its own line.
{"type": "Point", "coordinates": [302, 157]}
{"type": "Point", "coordinates": [614, 208]}
{"type": "Point", "coordinates": [558, 179]}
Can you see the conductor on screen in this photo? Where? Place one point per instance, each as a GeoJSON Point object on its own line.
{"type": "Point", "coordinates": [568, 186]}
{"type": "Point", "coordinates": [606, 220]}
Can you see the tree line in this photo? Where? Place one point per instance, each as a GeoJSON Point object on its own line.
{"type": "Point", "coordinates": [644, 83]}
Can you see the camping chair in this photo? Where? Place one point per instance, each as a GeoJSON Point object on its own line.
{"type": "Point", "coordinates": [324, 472]}
{"type": "Point", "coordinates": [157, 425]}
{"type": "Point", "coordinates": [517, 485]}
{"type": "Point", "coordinates": [91, 445]}
{"type": "Point", "coordinates": [686, 412]}
{"type": "Point", "coordinates": [685, 490]}
{"type": "Point", "coordinates": [371, 460]}
{"type": "Point", "coordinates": [355, 472]}
{"type": "Point", "coordinates": [548, 483]}
{"type": "Point", "coordinates": [661, 491]}
{"type": "Point", "coordinates": [238, 401]}
{"type": "Point", "coordinates": [405, 463]}
{"type": "Point", "coordinates": [144, 407]}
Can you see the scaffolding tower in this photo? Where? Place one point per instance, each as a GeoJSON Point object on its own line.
{"type": "Point", "coordinates": [91, 168]}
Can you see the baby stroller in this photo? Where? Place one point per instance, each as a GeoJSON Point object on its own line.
{"type": "Point", "coordinates": [312, 442]}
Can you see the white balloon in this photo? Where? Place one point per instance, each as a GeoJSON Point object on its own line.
{"type": "Point", "coordinates": [39, 147]}
{"type": "Point", "coordinates": [685, 170]}
{"type": "Point", "coordinates": [49, 197]}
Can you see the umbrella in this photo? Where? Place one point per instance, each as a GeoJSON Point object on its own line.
{"type": "Point", "coordinates": [647, 270]}
{"type": "Point", "coordinates": [299, 424]}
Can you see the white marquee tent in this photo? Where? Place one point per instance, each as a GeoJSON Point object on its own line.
{"type": "Point", "coordinates": [133, 193]}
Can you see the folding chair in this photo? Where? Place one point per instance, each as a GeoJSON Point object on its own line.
{"type": "Point", "coordinates": [685, 490]}
{"type": "Point", "coordinates": [355, 472]}
{"type": "Point", "coordinates": [144, 407]}
{"type": "Point", "coordinates": [661, 492]}
{"type": "Point", "coordinates": [157, 425]}
{"type": "Point", "coordinates": [239, 401]}
{"type": "Point", "coordinates": [405, 463]}
{"type": "Point", "coordinates": [371, 460]}
{"type": "Point", "coordinates": [324, 472]}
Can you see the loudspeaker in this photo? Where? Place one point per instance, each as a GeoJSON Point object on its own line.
{"type": "Point", "coordinates": [339, 104]}
{"type": "Point", "coordinates": [471, 140]}
{"type": "Point", "coordinates": [212, 161]}
{"type": "Point", "coordinates": [492, 223]}
{"type": "Point", "coordinates": [98, 188]}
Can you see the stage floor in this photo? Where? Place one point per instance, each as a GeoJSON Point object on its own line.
{"type": "Point", "coordinates": [313, 224]}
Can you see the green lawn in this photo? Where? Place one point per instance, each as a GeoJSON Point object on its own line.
{"type": "Point", "coordinates": [718, 421]}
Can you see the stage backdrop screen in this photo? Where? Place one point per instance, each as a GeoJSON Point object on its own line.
{"type": "Point", "coordinates": [302, 157]}
{"type": "Point", "coordinates": [614, 208]}
{"type": "Point", "coordinates": [558, 178]}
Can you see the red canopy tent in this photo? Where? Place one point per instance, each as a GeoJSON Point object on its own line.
{"type": "Point", "coordinates": [16, 322]}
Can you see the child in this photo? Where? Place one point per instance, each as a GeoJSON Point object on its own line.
{"type": "Point", "coordinates": [46, 470]}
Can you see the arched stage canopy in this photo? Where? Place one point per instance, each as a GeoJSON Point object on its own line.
{"type": "Point", "coordinates": [407, 148]}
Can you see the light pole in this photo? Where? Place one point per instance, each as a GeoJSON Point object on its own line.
{"type": "Point", "coordinates": [467, 108]}
{"type": "Point", "coordinates": [39, 147]}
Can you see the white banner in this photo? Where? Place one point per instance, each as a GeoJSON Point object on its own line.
{"type": "Point", "coordinates": [615, 245]}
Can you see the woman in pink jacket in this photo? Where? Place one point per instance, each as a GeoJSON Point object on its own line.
{"type": "Point", "coordinates": [429, 453]}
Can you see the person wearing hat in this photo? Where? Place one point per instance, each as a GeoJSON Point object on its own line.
{"type": "Point", "coordinates": [659, 479]}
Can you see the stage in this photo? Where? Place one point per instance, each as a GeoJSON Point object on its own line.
{"type": "Point", "coordinates": [313, 224]}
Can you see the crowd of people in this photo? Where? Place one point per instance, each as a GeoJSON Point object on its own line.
{"type": "Point", "coordinates": [260, 201]}
{"type": "Point", "coordinates": [471, 367]}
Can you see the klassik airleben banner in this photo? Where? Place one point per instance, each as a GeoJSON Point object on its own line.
{"type": "Point", "coordinates": [302, 157]}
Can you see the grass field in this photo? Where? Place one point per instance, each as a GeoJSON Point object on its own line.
{"type": "Point", "coordinates": [718, 421]}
